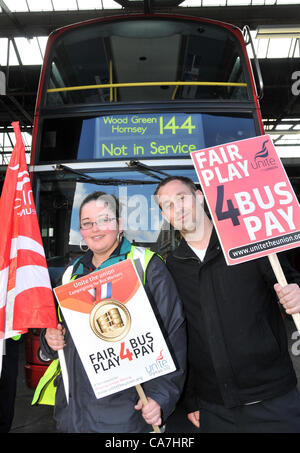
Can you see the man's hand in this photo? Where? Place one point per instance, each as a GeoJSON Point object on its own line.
{"type": "Point", "coordinates": [289, 297]}
{"type": "Point", "coordinates": [194, 417]}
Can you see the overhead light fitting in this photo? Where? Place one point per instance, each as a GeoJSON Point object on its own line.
{"type": "Point", "coordinates": [280, 31]}
{"type": "Point", "coordinates": [2, 84]}
{"type": "Point", "coordinates": [156, 3]}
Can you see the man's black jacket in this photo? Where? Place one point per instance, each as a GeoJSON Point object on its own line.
{"type": "Point", "coordinates": [237, 344]}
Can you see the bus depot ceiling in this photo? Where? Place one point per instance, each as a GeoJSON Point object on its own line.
{"type": "Point", "coordinates": [274, 25]}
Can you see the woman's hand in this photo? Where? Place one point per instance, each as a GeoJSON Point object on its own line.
{"type": "Point", "coordinates": [151, 411]}
{"type": "Point", "coordinates": [56, 337]}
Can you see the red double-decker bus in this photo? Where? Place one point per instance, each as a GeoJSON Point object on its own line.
{"type": "Point", "coordinates": [122, 102]}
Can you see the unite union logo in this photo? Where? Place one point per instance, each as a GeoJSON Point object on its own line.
{"type": "Point", "coordinates": [262, 160]}
{"type": "Point", "coordinates": [23, 203]}
{"type": "Point", "coordinates": [158, 366]}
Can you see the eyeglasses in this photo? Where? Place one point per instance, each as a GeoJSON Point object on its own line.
{"type": "Point", "coordinates": [99, 222]}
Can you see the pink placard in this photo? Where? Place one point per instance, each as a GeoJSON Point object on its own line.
{"type": "Point", "coordinates": [251, 200]}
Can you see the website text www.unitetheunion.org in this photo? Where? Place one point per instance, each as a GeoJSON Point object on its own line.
{"type": "Point", "coordinates": [267, 244]}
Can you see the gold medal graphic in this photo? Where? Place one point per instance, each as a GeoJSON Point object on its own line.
{"type": "Point", "coordinates": [110, 320]}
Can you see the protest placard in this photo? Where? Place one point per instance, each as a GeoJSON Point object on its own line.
{"type": "Point", "coordinates": [114, 329]}
{"type": "Point", "coordinates": [251, 201]}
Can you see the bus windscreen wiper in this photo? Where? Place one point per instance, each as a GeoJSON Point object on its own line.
{"type": "Point", "coordinates": [137, 165]}
{"type": "Point", "coordinates": [82, 177]}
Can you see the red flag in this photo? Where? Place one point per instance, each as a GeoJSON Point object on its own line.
{"type": "Point", "coordinates": [26, 298]}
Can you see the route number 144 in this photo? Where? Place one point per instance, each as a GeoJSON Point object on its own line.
{"type": "Point", "coordinates": [171, 125]}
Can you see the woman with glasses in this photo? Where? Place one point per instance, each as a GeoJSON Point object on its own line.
{"type": "Point", "coordinates": [122, 412]}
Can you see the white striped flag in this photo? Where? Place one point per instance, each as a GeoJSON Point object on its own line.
{"type": "Point", "coordinates": [26, 298]}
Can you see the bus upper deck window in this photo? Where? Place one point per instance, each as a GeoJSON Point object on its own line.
{"type": "Point", "coordinates": [140, 60]}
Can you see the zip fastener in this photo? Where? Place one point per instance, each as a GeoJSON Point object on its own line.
{"type": "Point", "coordinates": [188, 258]}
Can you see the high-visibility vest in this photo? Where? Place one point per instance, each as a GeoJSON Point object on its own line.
{"type": "Point", "coordinates": [45, 390]}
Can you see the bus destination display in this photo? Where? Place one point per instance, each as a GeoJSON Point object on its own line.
{"type": "Point", "coordinates": [143, 136]}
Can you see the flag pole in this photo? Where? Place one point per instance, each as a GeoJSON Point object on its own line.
{"type": "Point", "coordinates": [1, 353]}
{"type": "Point", "coordinates": [276, 266]}
{"type": "Point", "coordinates": [64, 372]}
